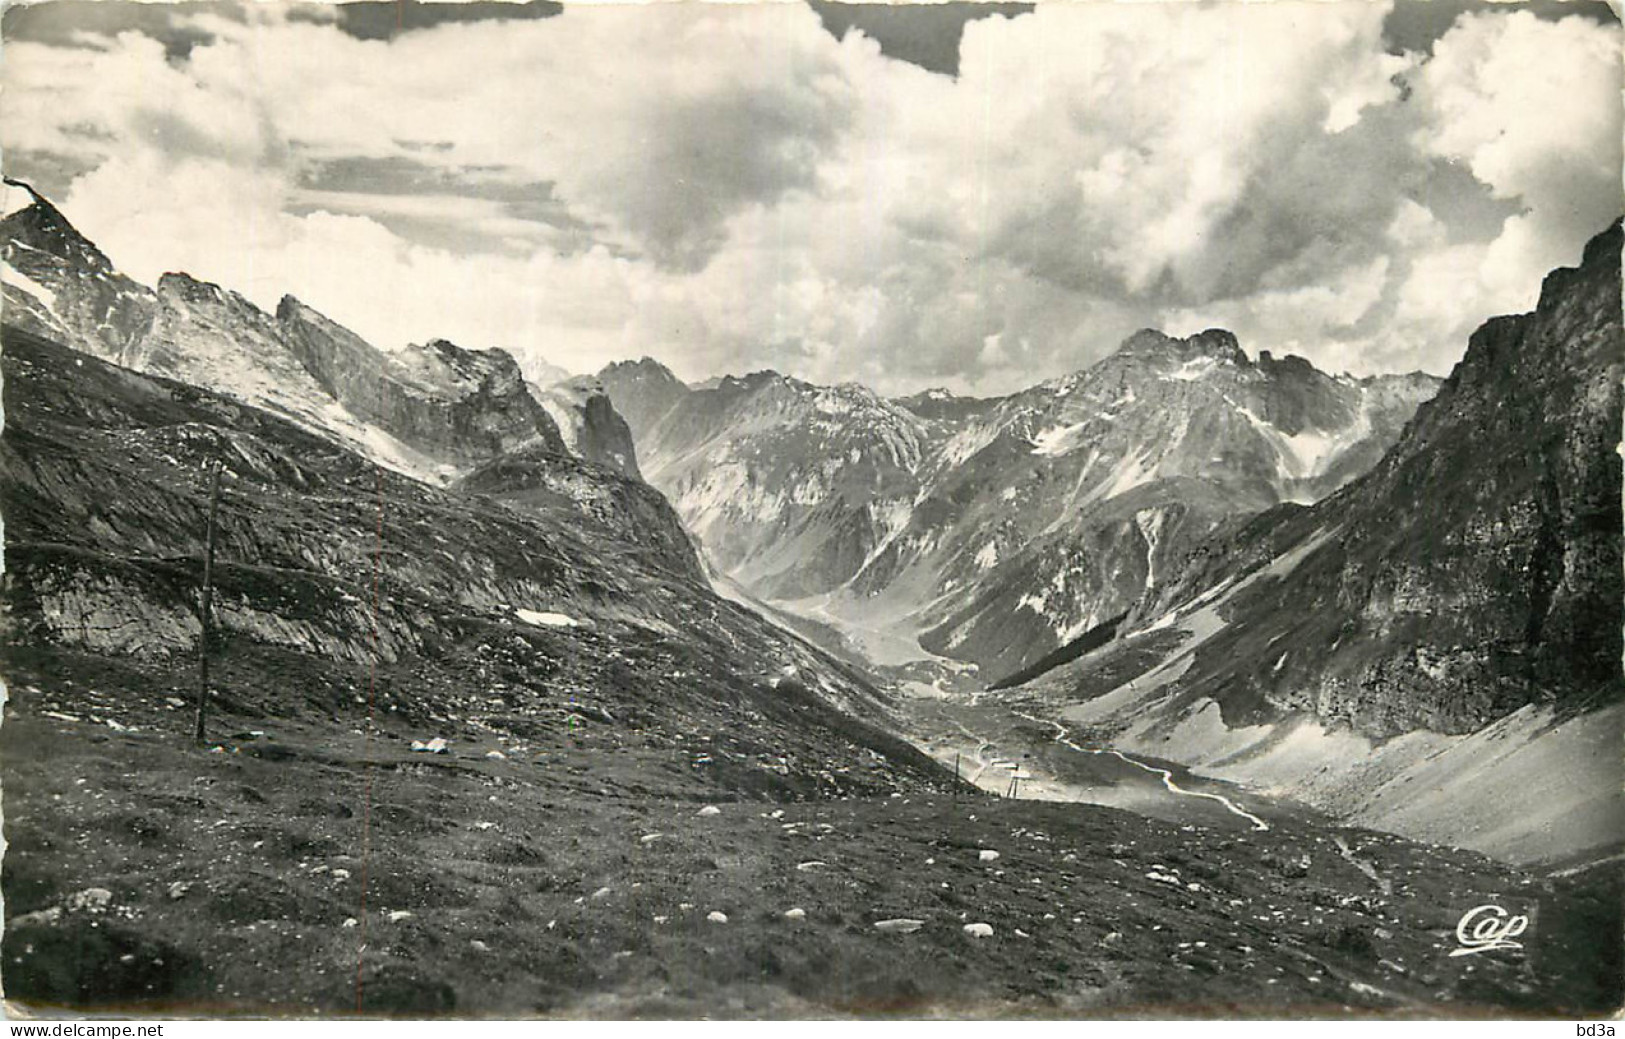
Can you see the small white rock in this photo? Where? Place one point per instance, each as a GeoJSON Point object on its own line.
{"type": "Point", "coordinates": [987, 856]}
{"type": "Point", "coordinates": [602, 892]}
{"type": "Point", "coordinates": [795, 914]}
{"type": "Point", "coordinates": [478, 946]}
{"type": "Point", "coordinates": [979, 930]}
{"type": "Point", "coordinates": [400, 914]}
{"type": "Point", "coordinates": [709, 810]}
{"type": "Point", "coordinates": [496, 755]}
{"type": "Point", "coordinates": [901, 925]}
{"type": "Point", "coordinates": [650, 838]}
{"type": "Point", "coordinates": [349, 922]}
{"type": "Point", "coordinates": [716, 917]}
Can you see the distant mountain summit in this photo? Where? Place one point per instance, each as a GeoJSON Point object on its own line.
{"type": "Point", "coordinates": [940, 404]}
{"type": "Point", "coordinates": [643, 391]}
{"type": "Point", "coordinates": [780, 479]}
{"type": "Point", "coordinates": [994, 531]}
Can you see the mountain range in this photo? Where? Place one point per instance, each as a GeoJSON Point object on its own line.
{"type": "Point", "coordinates": [993, 531]}
{"type": "Point", "coordinates": [489, 542]}
{"type": "Point", "coordinates": [431, 411]}
{"type": "Point", "coordinates": [529, 666]}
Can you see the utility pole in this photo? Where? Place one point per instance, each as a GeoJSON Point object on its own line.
{"type": "Point", "coordinates": [206, 610]}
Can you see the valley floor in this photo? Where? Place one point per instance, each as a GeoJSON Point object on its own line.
{"type": "Point", "coordinates": [579, 877]}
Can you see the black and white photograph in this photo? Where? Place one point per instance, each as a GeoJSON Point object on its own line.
{"type": "Point", "coordinates": [795, 510]}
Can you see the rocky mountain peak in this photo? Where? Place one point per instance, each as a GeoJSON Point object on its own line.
{"type": "Point", "coordinates": [940, 404]}
{"type": "Point", "coordinates": [453, 367]}
{"type": "Point", "coordinates": [1213, 344]}
{"type": "Point", "coordinates": [1288, 363]}
{"type": "Point", "coordinates": [753, 380]}
{"type": "Point", "coordinates": [42, 228]}
{"type": "Point", "coordinates": [182, 286]}
{"type": "Point", "coordinates": [27, 199]}
{"type": "Point", "coordinates": [644, 391]}
{"type": "Point", "coordinates": [292, 308]}
{"type": "Point", "coordinates": [1218, 343]}
{"type": "Point", "coordinates": [643, 367]}
{"type": "Point", "coordinates": [591, 427]}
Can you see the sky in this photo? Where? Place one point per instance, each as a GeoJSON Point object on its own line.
{"type": "Point", "coordinates": [973, 197]}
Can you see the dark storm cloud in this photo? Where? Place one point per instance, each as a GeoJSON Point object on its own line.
{"type": "Point", "coordinates": [64, 23]}
{"type": "Point", "coordinates": [59, 22]}
{"type": "Point", "coordinates": [49, 172]}
{"type": "Point", "coordinates": [926, 35]}
{"type": "Point", "coordinates": [354, 184]}
{"type": "Point", "coordinates": [1414, 25]}
{"type": "Point", "coordinates": [383, 19]}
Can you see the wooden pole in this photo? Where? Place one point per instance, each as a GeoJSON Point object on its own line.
{"type": "Point", "coordinates": [206, 607]}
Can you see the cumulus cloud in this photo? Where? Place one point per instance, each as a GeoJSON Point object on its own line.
{"type": "Point", "coordinates": [731, 187]}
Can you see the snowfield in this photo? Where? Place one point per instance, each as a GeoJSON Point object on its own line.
{"type": "Point", "coordinates": [547, 619]}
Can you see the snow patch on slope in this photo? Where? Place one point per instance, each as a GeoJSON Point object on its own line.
{"type": "Point", "coordinates": [1150, 523]}
{"type": "Point", "coordinates": [1193, 369]}
{"type": "Point", "coordinates": [964, 445]}
{"type": "Point", "coordinates": [547, 618]}
{"type": "Point", "coordinates": [17, 279]}
{"type": "Point", "coordinates": [1310, 452]}
{"type": "Point", "coordinates": [1059, 440]}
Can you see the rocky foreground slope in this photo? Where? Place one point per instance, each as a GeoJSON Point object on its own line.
{"type": "Point", "coordinates": [538, 588]}
{"type": "Point", "coordinates": [995, 531]}
{"type": "Point", "coordinates": [1437, 646]}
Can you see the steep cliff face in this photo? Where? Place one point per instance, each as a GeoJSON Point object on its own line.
{"type": "Point", "coordinates": [1436, 647]}
{"type": "Point", "coordinates": [458, 406]}
{"type": "Point", "coordinates": [1475, 570]}
{"type": "Point", "coordinates": [994, 531]}
{"type": "Point", "coordinates": [591, 427]}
